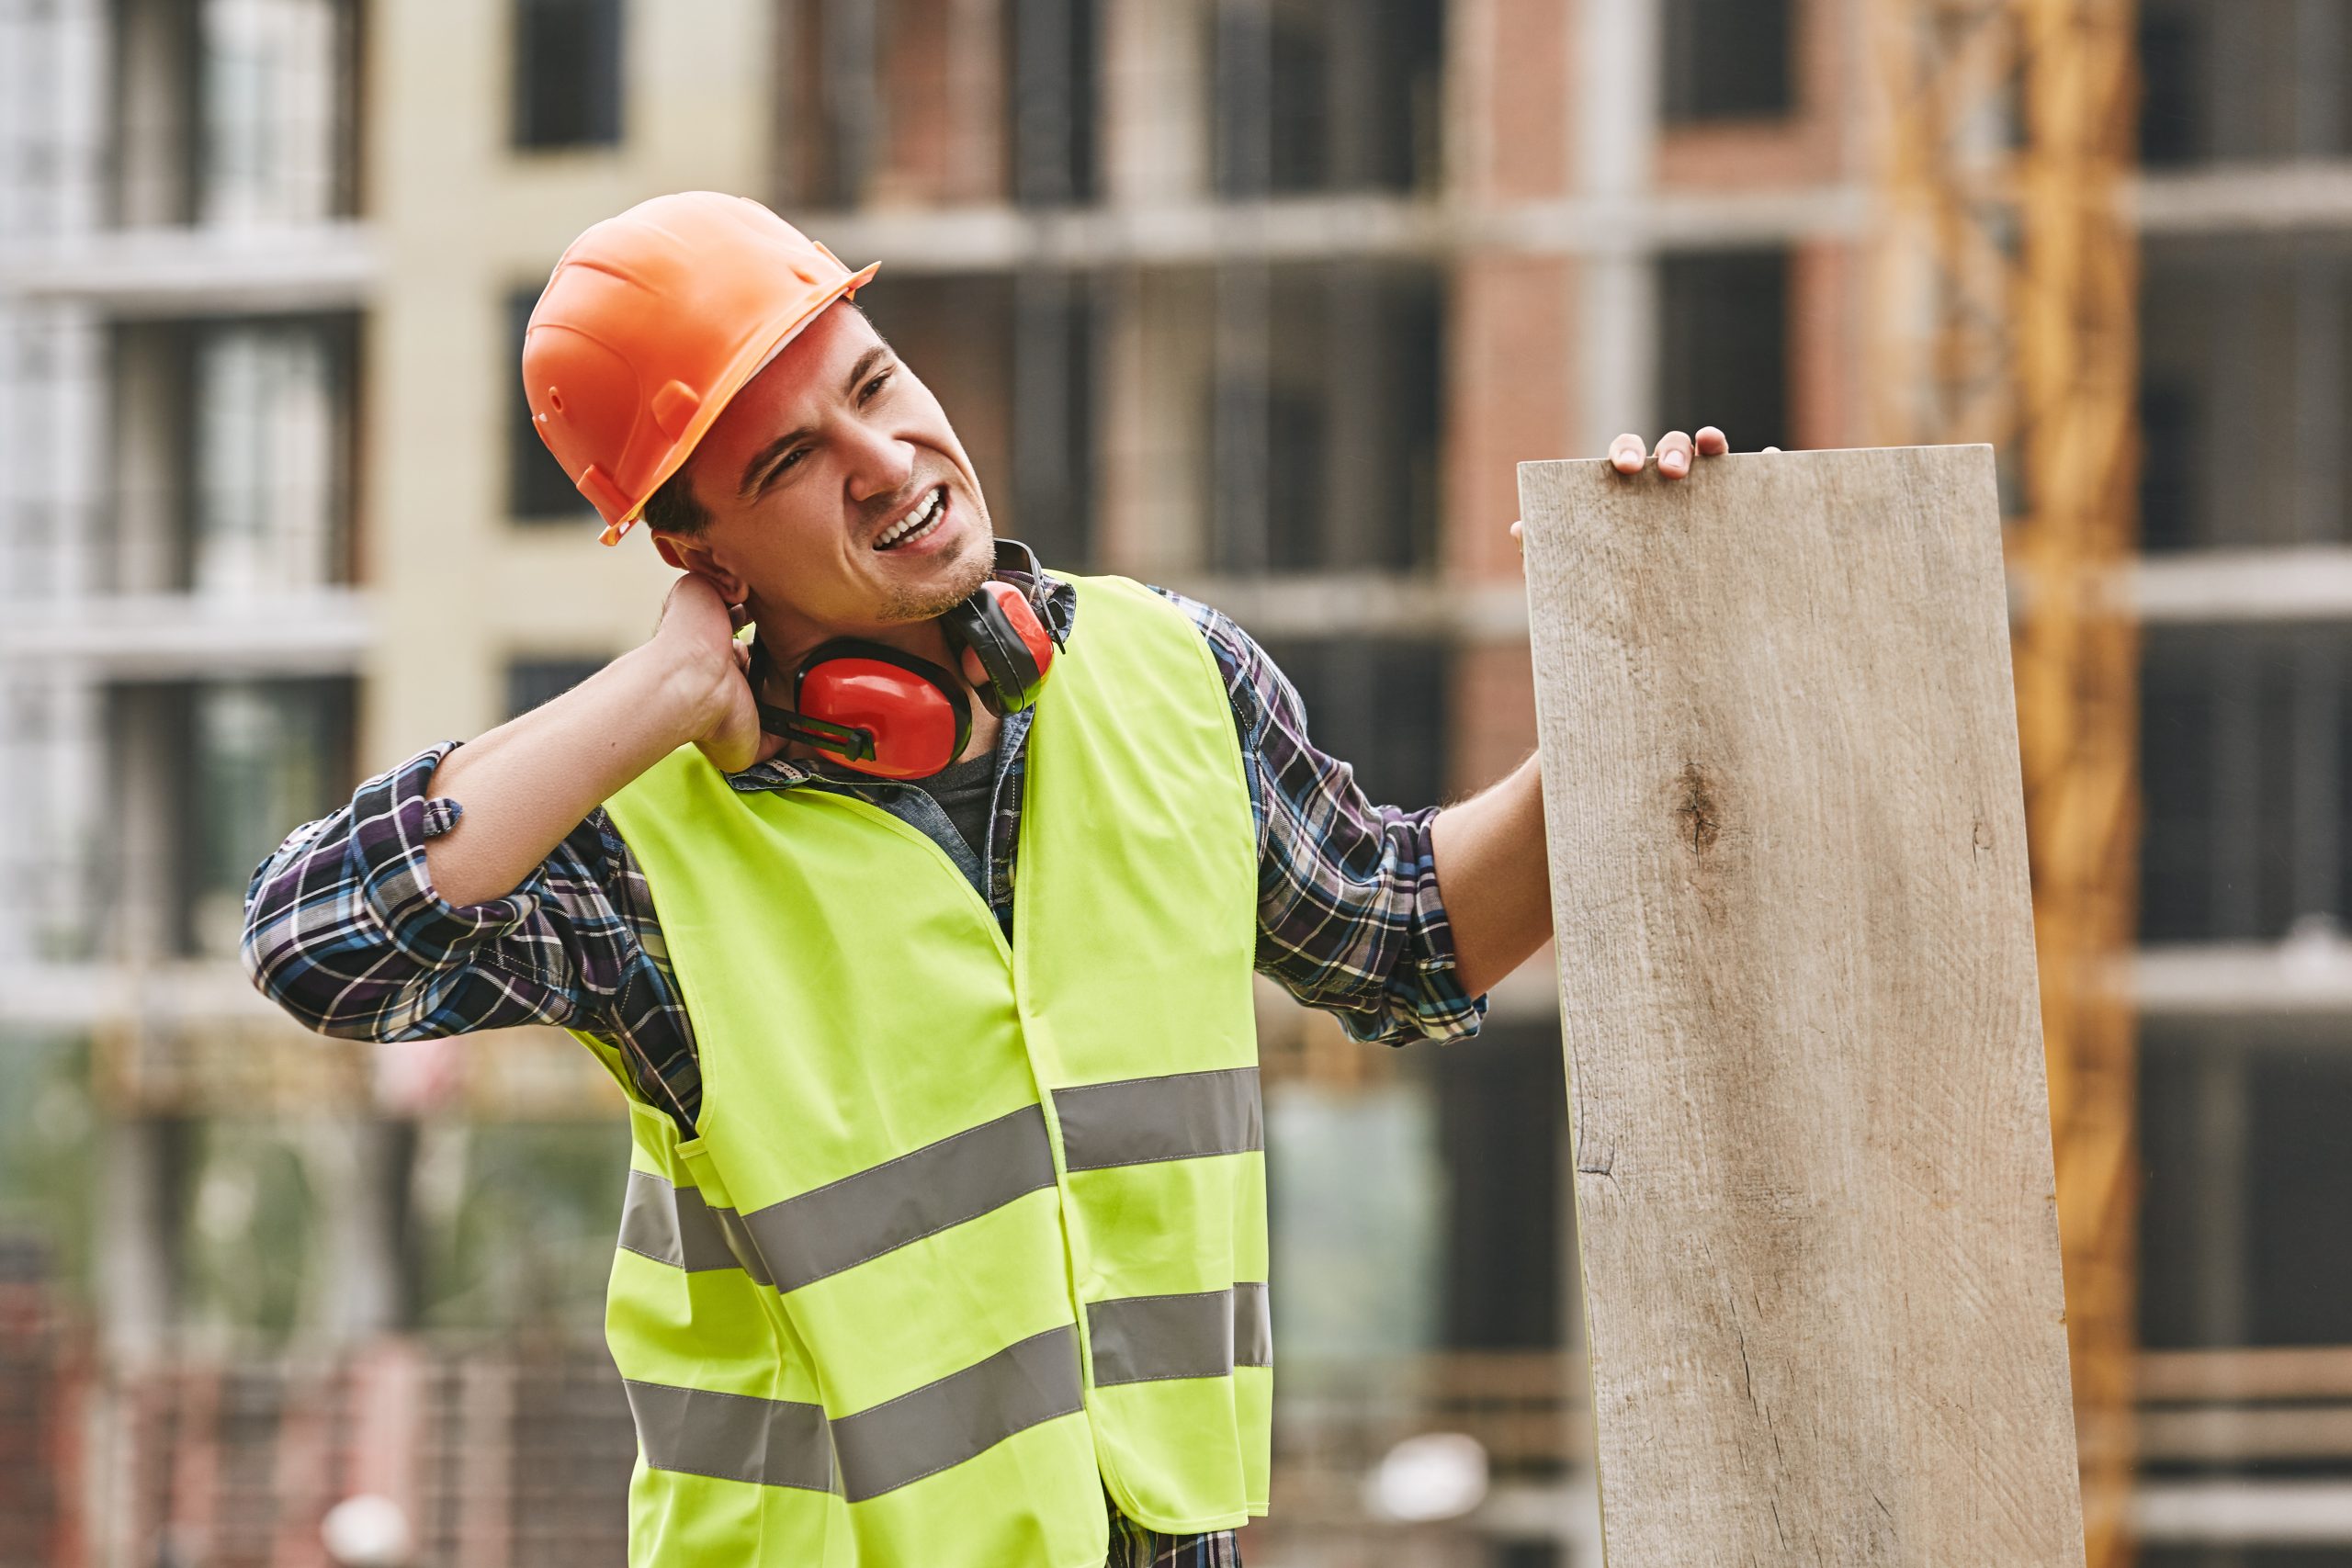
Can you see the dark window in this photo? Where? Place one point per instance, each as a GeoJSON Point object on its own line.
{"type": "Point", "coordinates": [232, 460]}
{"type": "Point", "coordinates": [1502, 1128]}
{"type": "Point", "coordinates": [1057, 69]}
{"type": "Point", "coordinates": [877, 99]}
{"type": "Point", "coordinates": [1723, 346]}
{"type": "Point", "coordinates": [2150, 1556]}
{"type": "Point", "coordinates": [2237, 82]}
{"type": "Point", "coordinates": [2249, 1178]}
{"type": "Point", "coordinates": [2171, 477]}
{"type": "Point", "coordinates": [1054, 382]}
{"type": "Point", "coordinates": [1325, 419]}
{"type": "Point", "coordinates": [567, 73]}
{"type": "Point", "coordinates": [2246, 388]}
{"type": "Point", "coordinates": [2246, 748]}
{"type": "Point", "coordinates": [530, 681]}
{"type": "Point", "coordinates": [1326, 95]}
{"type": "Point", "coordinates": [1378, 705]}
{"type": "Point", "coordinates": [538, 489]}
{"type": "Point", "coordinates": [256, 758]}
{"type": "Point", "coordinates": [227, 111]}
{"type": "Point", "coordinates": [1729, 59]}
{"type": "Point", "coordinates": [2172, 124]}
{"type": "Point", "coordinates": [2298, 1191]}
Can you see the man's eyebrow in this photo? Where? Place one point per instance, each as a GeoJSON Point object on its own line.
{"type": "Point", "coordinates": [768, 453]}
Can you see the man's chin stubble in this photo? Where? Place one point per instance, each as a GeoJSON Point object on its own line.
{"type": "Point", "coordinates": [929, 601]}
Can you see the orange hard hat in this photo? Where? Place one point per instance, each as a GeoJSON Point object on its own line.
{"type": "Point", "coordinates": [651, 323]}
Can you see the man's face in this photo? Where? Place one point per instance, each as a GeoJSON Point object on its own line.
{"type": "Point", "coordinates": [837, 488]}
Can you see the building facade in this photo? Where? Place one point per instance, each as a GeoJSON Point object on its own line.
{"type": "Point", "coordinates": [1261, 299]}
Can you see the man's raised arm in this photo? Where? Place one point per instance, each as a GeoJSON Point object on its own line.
{"type": "Point", "coordinates": [527, 783]}
{"type": "Point", "coordinates": [479, 886]}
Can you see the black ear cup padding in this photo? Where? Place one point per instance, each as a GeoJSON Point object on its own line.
{"type": "Point", "coordinates": [980, 624]}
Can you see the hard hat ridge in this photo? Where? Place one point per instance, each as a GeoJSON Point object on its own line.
{"type": "Point", "coordinates": [651, 323]}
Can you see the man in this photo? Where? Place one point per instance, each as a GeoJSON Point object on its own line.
{"type": "Point", "coordinates": [944, 1241]}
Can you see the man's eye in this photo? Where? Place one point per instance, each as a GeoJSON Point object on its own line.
{"type": "Point", "coordinates": [873, 387]}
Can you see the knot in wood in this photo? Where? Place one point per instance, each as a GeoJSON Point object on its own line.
{"type": "Point", "coordinates": [1702, 822]}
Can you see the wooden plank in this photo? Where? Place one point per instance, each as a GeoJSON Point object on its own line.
{"type": "Point", "coordinates": [1788, 861]}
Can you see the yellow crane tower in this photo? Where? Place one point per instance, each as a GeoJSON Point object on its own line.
{"type": "Point", "coordinates": [2004, 309]}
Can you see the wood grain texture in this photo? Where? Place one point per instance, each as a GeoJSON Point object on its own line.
{"type": "Point", "coordinates": [1795, 942]}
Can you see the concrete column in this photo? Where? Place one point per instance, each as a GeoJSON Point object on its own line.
{"type": "Point", "coordinates": [1154, 101]}
{"type": "Point", "coordinates": [1356, 379]}
{"type": "Point", "coordinates": [1616, 90]}
{"type": "Point", "coordinates": [369, 1248]}
{"type": "Point", "coordinates": [144, 1162]}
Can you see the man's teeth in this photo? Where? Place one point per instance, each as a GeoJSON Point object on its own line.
{"type": "Point", "coordinates": [915, 524]}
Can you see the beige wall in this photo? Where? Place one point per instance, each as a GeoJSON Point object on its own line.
{"type": "Point", "coordinates": [464, 220]}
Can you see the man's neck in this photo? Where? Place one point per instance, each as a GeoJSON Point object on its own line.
{"type": "Point", "coordinates": [789, 638]}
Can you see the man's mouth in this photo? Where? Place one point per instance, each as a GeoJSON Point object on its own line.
{"type": "Point", "coordinates": [916, 524]}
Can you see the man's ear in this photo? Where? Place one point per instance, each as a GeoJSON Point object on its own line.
{"type": "Point", "coordinates": [691, 555]}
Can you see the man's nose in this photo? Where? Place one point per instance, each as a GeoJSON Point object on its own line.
{"type": "Point", "coordinates": [879, 464]}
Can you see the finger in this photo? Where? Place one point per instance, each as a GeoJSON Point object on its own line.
{"type": "Point", "coordinates": [1674, 454]}
{"type": "Point", "coordinates": [739, 615]}
{"type": "Point", "coordinates": [1771, 448]}
{"type": "Point", "coordinates": [1627, 453]}
{"type": "Point", "coordinates": [1713, 443]}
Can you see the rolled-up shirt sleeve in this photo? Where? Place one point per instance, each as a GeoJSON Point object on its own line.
{"type": "Point", "coordinates": [1349, 916]}
{"type": "Point", "coordinates": [344, 931]}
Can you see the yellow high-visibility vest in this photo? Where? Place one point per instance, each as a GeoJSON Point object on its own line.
{"type": "Point", "coordinates": [970, 1231]}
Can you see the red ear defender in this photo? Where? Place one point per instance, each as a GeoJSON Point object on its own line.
{"type": "Point", "coordinates": [874, 709]}
{"type": "Point", "coordinates": [1000, 625]}
{"type": "Point", "coordinates": [896, 716]}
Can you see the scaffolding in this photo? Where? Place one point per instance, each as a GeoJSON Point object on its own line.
{"type": "Point", "coordinates": [2007, 310]}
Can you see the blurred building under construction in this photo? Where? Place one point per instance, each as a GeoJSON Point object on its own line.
{"type": "Point", "coordinates": [1258, 298]}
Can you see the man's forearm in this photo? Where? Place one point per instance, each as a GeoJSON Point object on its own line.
{"type": "Point", "coordinates": [1494, 877]}
{"type": "Point", "coordinates": [529, 782]}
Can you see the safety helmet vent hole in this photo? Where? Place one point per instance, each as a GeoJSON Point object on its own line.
{"type": "Point", "coordinates": [555, 400]}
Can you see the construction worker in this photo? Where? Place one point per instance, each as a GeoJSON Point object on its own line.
{"type": "Point", "coordinates": [918, 928]}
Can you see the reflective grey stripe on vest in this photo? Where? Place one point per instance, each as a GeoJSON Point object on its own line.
{"type": "Point", "coordinates": [1178, 1116]}
{"type": "Point", "coordinates": [885, 1207]}
{"type": "Point", "coordinates": [943, 1184]}
{"type": "Point", "coordinates": [769, 1442]}
{"type": "Point", "coordinates": [674, 1225]}
{"type": "Point", "coordinates": [774, 1442]}
{"type": "Point", "coordinates": [1147, 1339]}
{"type": "Point", "coordinates": [962, 1414]}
